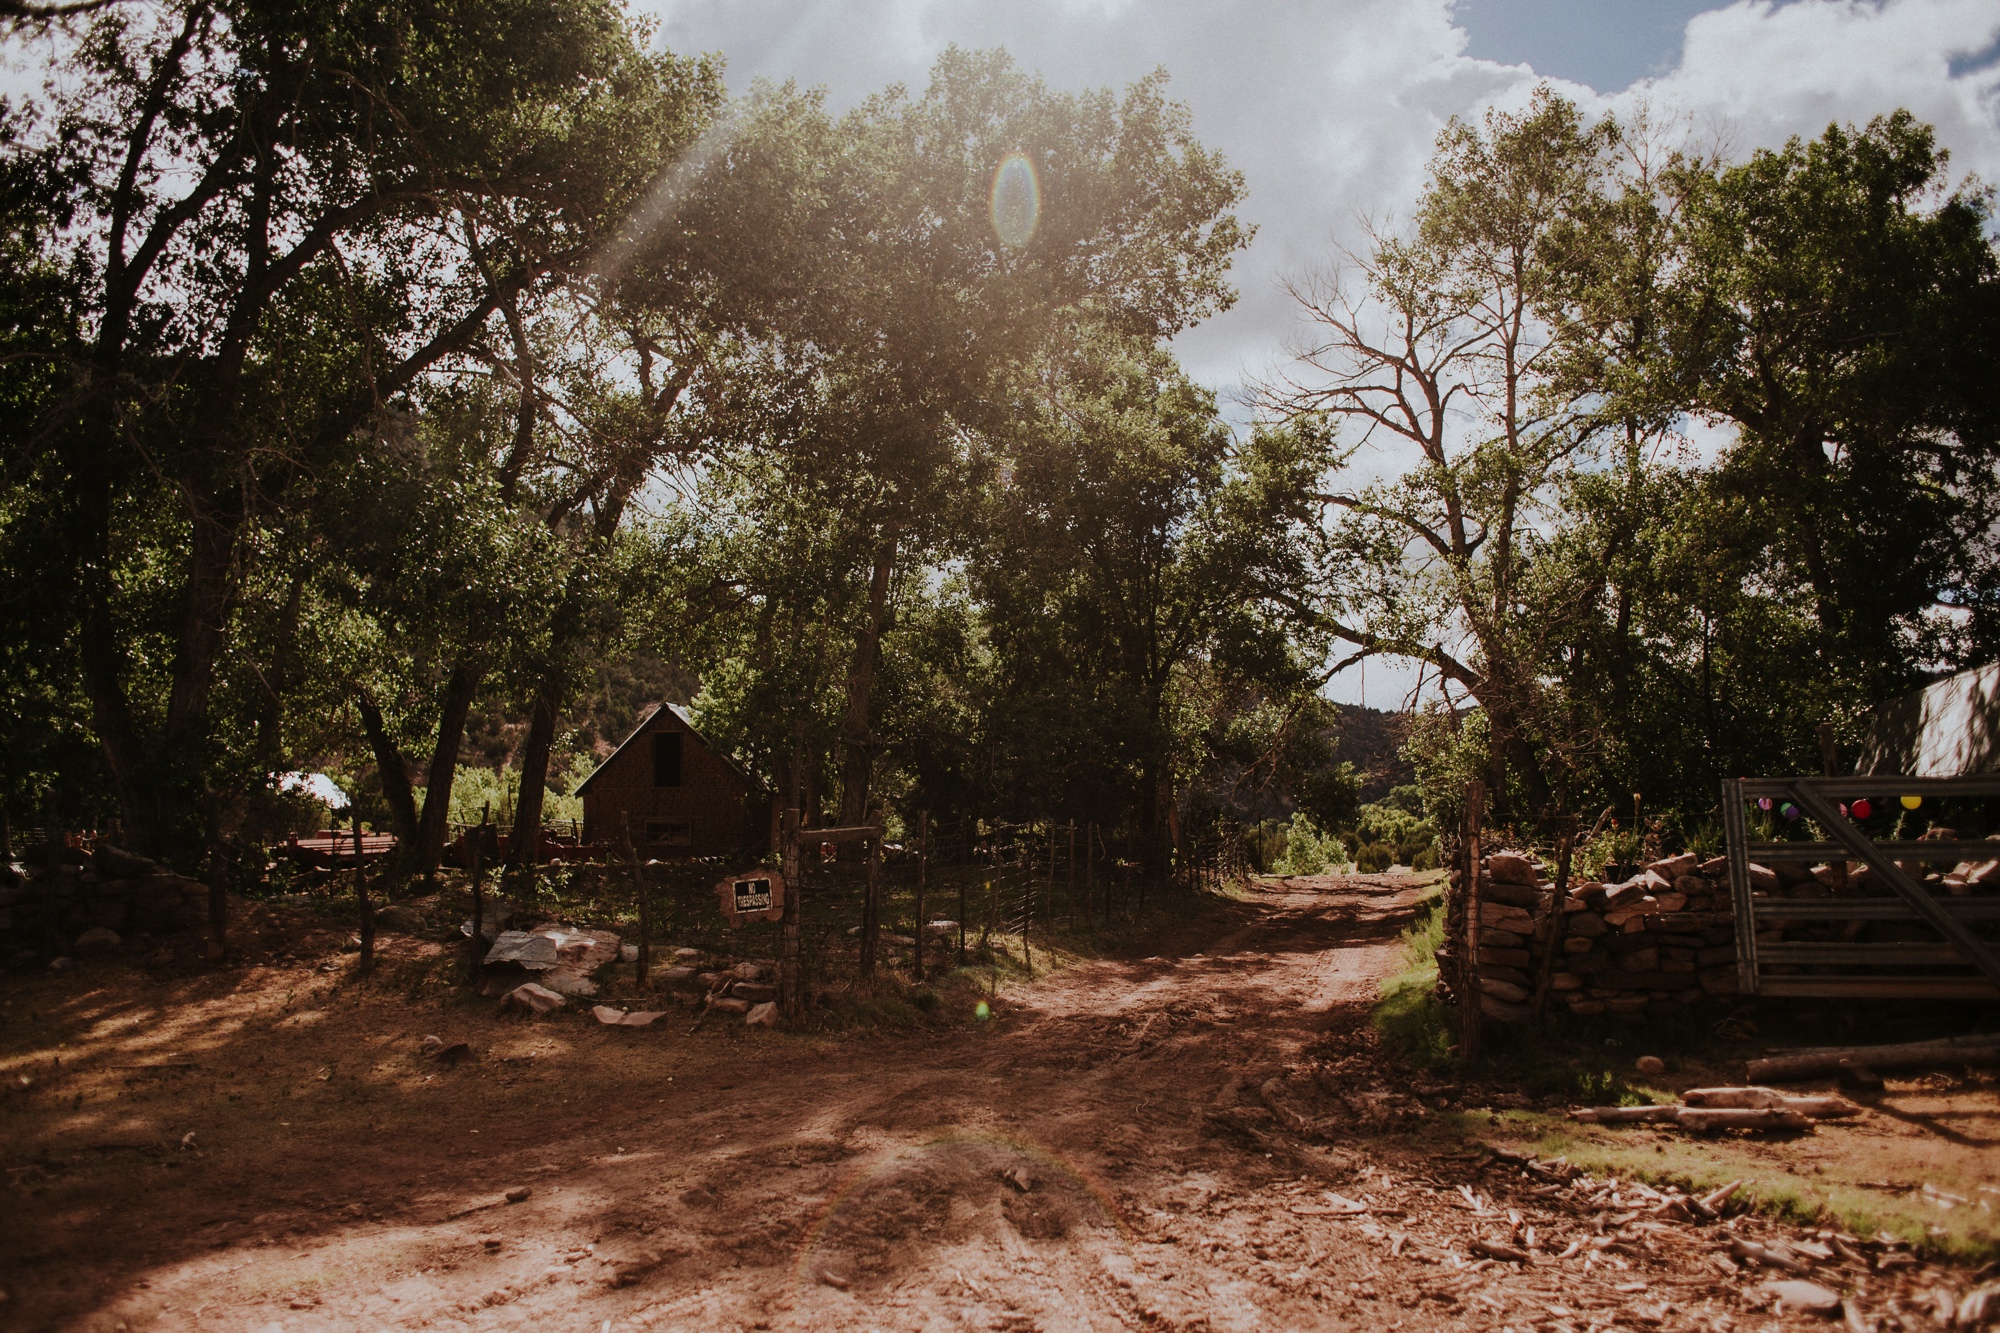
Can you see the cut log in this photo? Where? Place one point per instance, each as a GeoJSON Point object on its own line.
{"type": "Point", "coordinates": [1736, 1117]}
{"type": "Point", "coordinates": [1983, 1049]}
{"type": "Point", "coordinates": [1715, 1198]}
{"type": "Point", "coordinates": [1819, 1108]}
{"type": "Point", "coordinates": [1626, 1115]}
{"type": "Point", "coordinates": [1494, 1249]}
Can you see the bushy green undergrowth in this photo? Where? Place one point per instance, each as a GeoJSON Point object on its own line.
{"type": "Point", "coordinates": [1410, 1014]}
{"type": "Point", "coordinates": [1309, 850]}
{"type": "Point", "coordinates": [1394, 831]}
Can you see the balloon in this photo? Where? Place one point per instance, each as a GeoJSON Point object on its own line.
{"type": "Point", "coordinates": [1912, 802]}
{"type": "Point", "coordinates": [1789, 811]}
{"type": "Point", "coordinates": [1862, 808]}
{"type": "Point", "coordinates": [1763, 803]}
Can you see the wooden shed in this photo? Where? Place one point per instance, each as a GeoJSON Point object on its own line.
{"type": "Point", "coordinates": [685, 798]}
{"type": "Point", "coordinates": [1946, 729]}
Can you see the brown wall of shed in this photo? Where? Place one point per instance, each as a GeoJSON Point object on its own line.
{"type": "Point", "coordinates": [713, 796]}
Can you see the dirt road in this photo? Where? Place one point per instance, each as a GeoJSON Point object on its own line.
{"type": "Point", "coordinates": [1181, 1141]}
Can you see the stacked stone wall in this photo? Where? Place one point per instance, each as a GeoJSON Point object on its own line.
{"type": "Point", "coordinates": [1663, 939]}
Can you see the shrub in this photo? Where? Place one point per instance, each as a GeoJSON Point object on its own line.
{"type": "Point", "coordinates": [1264, 844]}
{"type": "Point", "coordinates": [1308, 851]}
{"type": "Point", "coordinates": [1427, 859]}
{"type": "Point", "coordinates": [1410, 1015]}
{"type": "Point", "coordinates": [1374, 858]}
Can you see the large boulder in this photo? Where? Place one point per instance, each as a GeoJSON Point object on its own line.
{"type": "Point", "coordinates": [97, 940]}
{"type": "Point", "coordinates": [117, 863]}
{"type": "Point", "coordinates": [1511, 868]}
{"type": "Point", "coordinates": [1671, 868]}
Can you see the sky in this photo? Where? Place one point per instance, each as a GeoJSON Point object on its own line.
{"type": "Point", "coordinates": [1329, 108]}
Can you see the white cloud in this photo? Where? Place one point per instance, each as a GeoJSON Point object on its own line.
{"type": "Point", "coordinates": [1762, 73]}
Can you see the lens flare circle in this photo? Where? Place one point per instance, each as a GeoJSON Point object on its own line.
{"type": "Point", "coordinates": [1015, 201]}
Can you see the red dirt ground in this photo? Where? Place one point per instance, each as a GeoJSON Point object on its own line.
{"type": "Point", "coordinates": [1142, 1142]}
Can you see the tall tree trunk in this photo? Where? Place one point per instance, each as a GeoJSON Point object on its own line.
{"type": "Point", "coordinates": [523, 846]}
{"type": "Point", "coordinates": [857, 730]}
{"type": "Point", "coordinates": [277, 679]}
{"type": "Point", "coordinates": [456, 704]}
{"type": "Point", "coordinates": [161, 790]}
{"type": "Point", "coordinates": [99, 649]}
{"type": "Point", "coordinates": [390, 772]}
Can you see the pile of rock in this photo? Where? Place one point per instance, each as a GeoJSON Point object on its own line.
{"type": "Point", "coordinates": [559, 958]}
{"type": "Point", "coordinates": [1665, 936]}
{"type": "Point", "coordinates": [79, 906]}
{"type": "Point", "coordinates": [747, 988]}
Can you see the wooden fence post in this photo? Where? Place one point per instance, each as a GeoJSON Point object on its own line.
{"type": "Point", "coordinates": [1469, 1029]}
{"type": "Point", "coordinates": [218, 883]}
{"type": "Point", "coordinates": [1027, 915]}
{"type": "Point", "coordinates": [475, 947]}
{"type": "Point", "coordinates": [1558, 922]}
{"type": "Point", "coordinates": [923, 851]}
{"type": "Point", "coordinates": [361, 897]}
{"type": "Point", "coordinates": [869, 909]}
{"type": "Point", "coordinates": [644, 964]}
{"type": "Point", "coordinates": [1072, 874]}
{"type": "Point", "coordinates": [791, 988]}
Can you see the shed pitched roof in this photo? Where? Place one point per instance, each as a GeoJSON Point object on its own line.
{"type": "Point", "coordinates": [686, 721]}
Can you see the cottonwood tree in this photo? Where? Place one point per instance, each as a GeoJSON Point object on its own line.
{"type": "Point", "coordinates": [924, 306]}
{"type": "Point", "coordinates": [1140, 566]}
{"type": "Point", "coordinates": [280, 220]}
{"type": "Point", "coordinates": [1438, 346]}
{"type": "Point", "coordinates": [1840, 306]}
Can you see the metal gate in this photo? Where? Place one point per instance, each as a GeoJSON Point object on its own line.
{"type": "Point", "coordinates": [1959, 964]}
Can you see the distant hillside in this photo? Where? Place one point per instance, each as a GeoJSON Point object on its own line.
{"type": "Point", "coordinates": [1372, 741]}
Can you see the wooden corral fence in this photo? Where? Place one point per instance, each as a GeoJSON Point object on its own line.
{"type": "Point", "coordinates": [1958, 964]}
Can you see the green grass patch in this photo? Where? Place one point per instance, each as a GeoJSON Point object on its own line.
{"type": "Point", "coordinates": [1411, 1017]}
{"type": "Point", "coordinates": [1811, 1181]}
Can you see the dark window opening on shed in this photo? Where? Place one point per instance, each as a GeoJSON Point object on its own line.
{"type": "Point", "coordinates": [670, 832]}
{"type": "Point", "coordinates": [666, 759]}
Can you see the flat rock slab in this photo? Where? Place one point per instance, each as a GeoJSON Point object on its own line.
{"type": "Point", "coordinates": [563, 959]}
{"type": "Point", "coordinates": [621, 1018]}
{"type": "Point", "coordinates": [524, 949]}
{"type": "Point", "coordinates": [535, 999]}
{"type": "Point", "coordinates": [579, 954]}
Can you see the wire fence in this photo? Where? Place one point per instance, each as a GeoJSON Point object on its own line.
{"type": "Point", "coordinates": [969, 888]}
{"type": "Point", "coordinates": [966, 888]}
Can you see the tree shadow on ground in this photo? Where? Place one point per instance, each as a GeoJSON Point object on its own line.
{"type": "Point", "coordinates": [324, 1143]}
